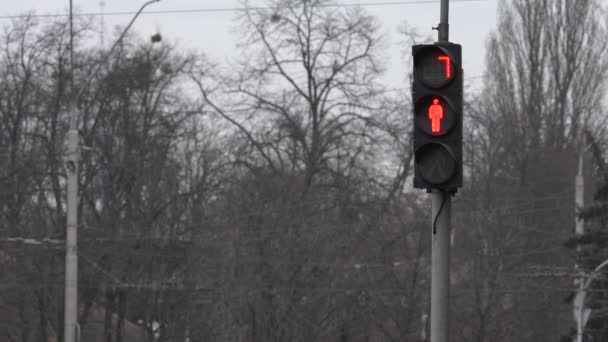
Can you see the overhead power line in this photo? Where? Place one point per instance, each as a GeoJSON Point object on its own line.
{"type": "Point", "coordinates": [228, 9]}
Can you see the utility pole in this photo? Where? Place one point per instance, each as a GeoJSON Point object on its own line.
{"type": "Point", "coordinates": [581, 313]}
{"type": "Point", "coordinates": [72, 160]}
{"type": "Point", "coordinates": [71, 252]}
{"type": "Point", "coordinates": [71, 330]}
{"type": "Point", "coordinates": [441, 215]}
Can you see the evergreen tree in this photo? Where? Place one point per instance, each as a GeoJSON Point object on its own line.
{"type": "Point", "coordinates": [592, 249]}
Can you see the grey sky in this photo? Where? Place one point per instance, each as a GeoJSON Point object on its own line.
{"type": "Point", "coordinates": [210, 32]}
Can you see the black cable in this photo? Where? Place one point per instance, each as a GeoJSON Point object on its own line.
{"type": "Point", "coordinates": [232, 9]}
{"type": "Point", "coordinates": [445, 197]}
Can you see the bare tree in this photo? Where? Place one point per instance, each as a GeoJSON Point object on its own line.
{"type": "Point", "coordinates": [544, 86]}
{"type": "Point", "coordinates": [546, 66]}
{"type": "Point", "coordinates": [318, 134]}
{"type": "Point", "coordinates": [33, 67]}
{"type": "Point", "coordinates": [271, 208]}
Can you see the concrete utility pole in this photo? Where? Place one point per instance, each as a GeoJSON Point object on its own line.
{"type": "Point", "coordinates": [72, 159]}
{"type": "Point", "coordinates": [581, 313]}
{"type": "Point", "coordinates": [441, 212]}
{"type": "Point", "coordinates": [71, 252]}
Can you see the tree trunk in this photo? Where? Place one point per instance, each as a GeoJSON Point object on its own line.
{"type": "Point", "coordinates": [122, 311]}
{"type": "Point", "coordinates": [109, 307]}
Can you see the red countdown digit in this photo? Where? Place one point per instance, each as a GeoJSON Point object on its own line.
{"type": "Point", "coordinates": [448, 65]}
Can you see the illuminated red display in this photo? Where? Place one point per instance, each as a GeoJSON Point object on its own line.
{"type": "Point", "coordinates": [448, 65]}
{"type": "Point", "coordinates": [435, 68]}
{"type": "Point", "coordinates": [435, 115]}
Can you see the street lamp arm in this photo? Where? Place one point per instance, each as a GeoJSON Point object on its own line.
{"type": "Point", "coordinates": [582, 313]}
{"type": "Point", "coordinates": [597, 269]}
{"type": "Point", "coordinates": [107, 56]}
{"type": "Point", "coordinates": [601, 266]}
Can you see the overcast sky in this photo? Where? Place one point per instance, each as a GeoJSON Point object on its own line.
{"type": "Point", "coordinates": [210, 32]}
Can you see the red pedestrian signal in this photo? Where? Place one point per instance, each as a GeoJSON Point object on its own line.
{"type": "Point", "coordinates": [435, 115]}
{"type": "Point", "coordinates": [437, 97]}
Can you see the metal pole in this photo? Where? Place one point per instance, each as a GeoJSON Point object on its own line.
{"type": "Point", "coordinates": [71, 329]}
{"type": "Point", "coordinates": [440, 273]}
{"type": "Point", "coordinates": [441, 215]}
{"type": "Point", "coordinates": [444, 26]}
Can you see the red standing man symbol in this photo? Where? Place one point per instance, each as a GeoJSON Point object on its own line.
{"type": "Point", "coordinates": [435, 115]}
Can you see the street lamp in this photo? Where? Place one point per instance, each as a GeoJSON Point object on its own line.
{"type": "Point", "coordinates": [581, 313]}
{"type": "Point", "coordinates": [72, 158]}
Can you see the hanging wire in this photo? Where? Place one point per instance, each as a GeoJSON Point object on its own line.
{"type": "Point", "coordinates": [228, 9]}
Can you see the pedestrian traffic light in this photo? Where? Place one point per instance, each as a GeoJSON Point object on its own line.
{"type": "Point", "coordinates": [437, 98]}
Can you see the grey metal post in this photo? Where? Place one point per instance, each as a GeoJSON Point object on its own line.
{"type": "Point", "coordinates": [440, 265]}
{"type": "Point", "coordinates": [441, 215]}
{"type": "Point", "coordinates": [444, 26]}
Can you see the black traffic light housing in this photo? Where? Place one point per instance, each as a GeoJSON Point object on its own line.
{"type": "Point", "coordinates": [438, 112]}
